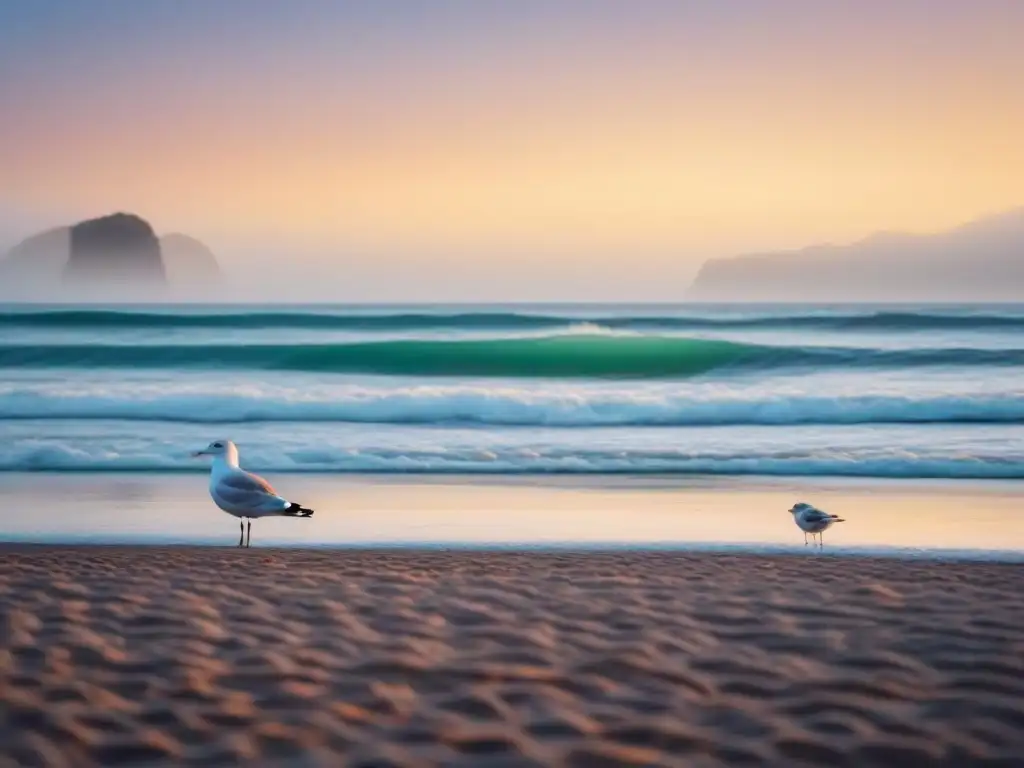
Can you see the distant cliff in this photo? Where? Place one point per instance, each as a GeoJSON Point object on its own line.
{"type": "Point", "coordinates": [981, 261]}
{"type": "Point", "coordinates": [103, 257]}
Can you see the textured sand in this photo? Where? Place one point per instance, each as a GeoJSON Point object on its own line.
{"type": "Point", "coordinates": [120, 655]}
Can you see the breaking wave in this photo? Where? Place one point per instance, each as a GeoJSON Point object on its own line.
{"type": "Point", "coordinates": [556, 356]}
{"type": "Point", "coordinates": [512, 407]}
{"type": "Point", "coordinates": [897, 463]}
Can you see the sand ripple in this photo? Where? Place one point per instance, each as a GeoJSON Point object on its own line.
{"type": "Point", "coordinates": [126, 656]}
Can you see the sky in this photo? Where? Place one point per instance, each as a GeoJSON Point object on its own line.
{"type": "Point", "coordinates": [522, 150]}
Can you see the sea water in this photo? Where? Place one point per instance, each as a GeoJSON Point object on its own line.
{"type": "Point", "coordinates": [515, 425]}
{"type": "Point", "coordinates": [909, 392]}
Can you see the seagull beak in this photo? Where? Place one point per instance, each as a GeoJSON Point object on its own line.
{"type": "Point", "coordinates": [197, 454]}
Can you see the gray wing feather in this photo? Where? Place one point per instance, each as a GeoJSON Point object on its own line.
{"type": "Point", "coordinates": [249, 492]}
{"type": "Point", "coordinates": [239, 499]}
{"type": "Point", "coordinates": [817, 516]}
{"type": "Point", "coordinates": [247, 482]}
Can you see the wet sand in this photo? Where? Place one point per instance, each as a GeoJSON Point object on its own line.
{"type": "Point", "coordinates": [146, 655]}
{"type": "Point", "coordinates": [905, 517]}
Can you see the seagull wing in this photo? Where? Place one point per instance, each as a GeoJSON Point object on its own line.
{"type": "Point", "coordinates": [817, 516]}
{"type": "Point", "coordinates": [245, 490]}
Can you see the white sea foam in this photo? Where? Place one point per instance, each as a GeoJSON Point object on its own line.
{"type": "Point", "coordinates": [512, 406]}
{"type": "Point", "coordinates": [967, 451]}
{"type": "Point", "coordinates": [71, 458]}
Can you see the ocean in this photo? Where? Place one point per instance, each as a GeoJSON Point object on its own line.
{"type": "Point", "coordinates": [857, 391]}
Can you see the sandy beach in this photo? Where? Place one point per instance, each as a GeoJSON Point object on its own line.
{"type": "Point", "coordinates": [138, 655]}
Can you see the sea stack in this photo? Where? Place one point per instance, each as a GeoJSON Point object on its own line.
{"type": "Point", "coordinates": [116, 257]}
{"type": "Point", "coordinates": [117, 248]}
{"type": "Point", "coordinates": [189, 262]}
{"type": "Point", "coordinates": [36, 263]}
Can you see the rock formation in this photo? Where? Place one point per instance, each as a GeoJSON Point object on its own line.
{"type": "Point", "coordinates": [118, 248]}
{"type": "Point", "coordinates": [188, 261]}
{"type": "Point", "coordinates": [981, 261]}
{"type": "Point", "coordinates": [37, 262]}
{"type": "Point", "coordinates": [99, 258]}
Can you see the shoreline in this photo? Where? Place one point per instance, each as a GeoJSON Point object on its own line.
{"type": "Point", "coordinates": [977, 519]}
{"type": "Point", "coordinates": [610, 479]}
{"type": "Point", "coordinates": [723, 549]}
{"type": "Point", "coordinates": [192, 655]}
{"type": "Point", "coordinates": [555, 481]}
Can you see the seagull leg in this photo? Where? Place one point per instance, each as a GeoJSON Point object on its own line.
{"type": "Point", "coordinates": [805, 538]}
{"type": "Point", "coordinates": [241, 531]}
{"type": "Point", "coordinates": [248, 536]}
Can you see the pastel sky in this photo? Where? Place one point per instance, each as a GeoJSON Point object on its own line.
{"type": "Point", "coordinates": [510, 150]}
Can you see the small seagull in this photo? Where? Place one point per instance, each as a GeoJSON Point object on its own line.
{"type": "Point", "coordinates": [812, 520]}
{"type": "Point", "coordinates": [243, 494]}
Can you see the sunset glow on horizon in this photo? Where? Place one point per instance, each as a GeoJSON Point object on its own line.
{"type": "Point", "coordinates": [626, 136]}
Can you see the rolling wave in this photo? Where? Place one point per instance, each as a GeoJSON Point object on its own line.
{"type": "Point", "coordinates": [557, 356]}
{"type": "Point", "coordinates": [518, 390]}
{"type": "Point", "coordinates": [314, 319]}
{"type": "Point", "coordinates": [56, 456]}
{"type": "Point", "coordinates": [509, 407]}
